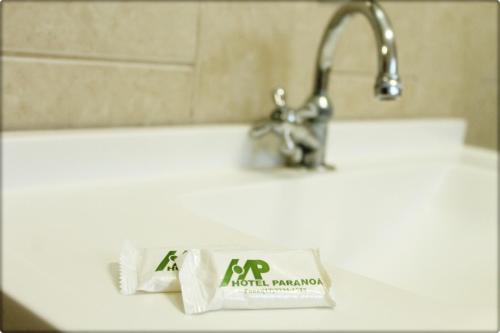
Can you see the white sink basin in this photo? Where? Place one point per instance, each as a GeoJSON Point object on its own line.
{"type": "Point", "coordinates": [406, 224]}
{"type": "Point", "coordinates": [427, 226]}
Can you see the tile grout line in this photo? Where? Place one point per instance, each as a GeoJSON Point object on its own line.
{"type": "Point", "coordinates": [93, 60]}
{"type": "Point", "coordinates": [196, 65]}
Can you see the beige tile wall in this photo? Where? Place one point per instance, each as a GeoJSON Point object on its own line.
{"type": "Point", "coordinates": [98, 64]}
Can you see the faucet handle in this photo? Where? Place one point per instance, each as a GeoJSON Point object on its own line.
{"type": "Point", "coordinates": [261, 129]}
{"type": "Point", "coordinates": [281, 112]}
{"type": "Point", "coordinates": [279, 98]}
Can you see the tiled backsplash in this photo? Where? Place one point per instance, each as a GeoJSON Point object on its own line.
{"type": "Point", "coordinates": [99, 64]}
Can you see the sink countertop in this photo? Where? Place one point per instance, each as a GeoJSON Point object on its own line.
{"type": "Point", "coordinates": [62, 236]}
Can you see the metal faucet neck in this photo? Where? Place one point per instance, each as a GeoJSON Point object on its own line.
{"type": "Point", "coordinates": [387, 85]}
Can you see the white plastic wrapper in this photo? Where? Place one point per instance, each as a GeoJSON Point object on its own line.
{"type": "Point", "coordinates": [150, 270]}
{"type": "Point", "coordinates": [253, 279]}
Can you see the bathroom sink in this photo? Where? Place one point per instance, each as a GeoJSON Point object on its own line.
{"type": "Point", "coordinates": [406, 226]}
{"type": "Point", "coordinates": [427, 226]}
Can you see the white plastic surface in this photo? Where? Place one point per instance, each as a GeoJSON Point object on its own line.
{"type": "Point", "coordinates": [214, 279]}
{"type": "Point", "coordinates": [151, 270]}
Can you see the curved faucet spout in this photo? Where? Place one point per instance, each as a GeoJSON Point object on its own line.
{"type": "Point", "coordinates": [387, 84]}
{"type": "Point", "coordinates": [304, 130]}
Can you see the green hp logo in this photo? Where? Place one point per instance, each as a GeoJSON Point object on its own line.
{"type": "Point", "coordinates": [256, 266]}
{"type": "Point", "coordinates": [168, 262]}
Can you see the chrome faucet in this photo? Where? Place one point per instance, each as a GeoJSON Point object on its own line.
{"type": "Point", "coordinates": [303, 131]}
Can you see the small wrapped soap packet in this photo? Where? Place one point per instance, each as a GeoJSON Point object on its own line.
{"type": "Point", "coordinates": [253, 279]}
{"type": "Point", "coordinates": [148, 270]}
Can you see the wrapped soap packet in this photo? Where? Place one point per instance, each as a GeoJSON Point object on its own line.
{"type": "Point", "coordinates": [253, 279]}
{"type": "Point", "coordinates": [150, 270]}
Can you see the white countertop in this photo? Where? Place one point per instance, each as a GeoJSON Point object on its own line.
{"type": "Point", "coordinates": [61, 246]}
